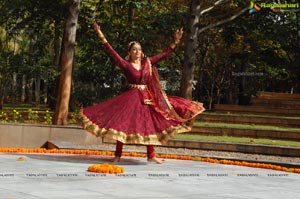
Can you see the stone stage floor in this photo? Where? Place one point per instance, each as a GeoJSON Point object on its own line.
{"type": "Point", "coordinates": [49, 176]}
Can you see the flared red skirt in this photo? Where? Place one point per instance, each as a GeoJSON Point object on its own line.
{"type": "Point", "coordinates": [128, 119]}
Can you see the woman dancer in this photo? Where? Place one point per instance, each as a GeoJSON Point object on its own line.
{"type": "Point", "coordinates": [143, 114]}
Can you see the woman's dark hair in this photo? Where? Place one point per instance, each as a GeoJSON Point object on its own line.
{"type": "Point", "coordinates": [130, 45]}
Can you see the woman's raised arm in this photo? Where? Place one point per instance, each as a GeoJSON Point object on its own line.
{"type": "Point", "coordinates": [177, 37]}
{"type": "Point", "coordinates": [117, 58]}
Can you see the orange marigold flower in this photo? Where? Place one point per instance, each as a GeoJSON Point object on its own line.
{"type": "Point", "coordinates": [106, 168]}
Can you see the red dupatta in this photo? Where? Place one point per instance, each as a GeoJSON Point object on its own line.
{"type": "Point", "coordinates": [159, 99]}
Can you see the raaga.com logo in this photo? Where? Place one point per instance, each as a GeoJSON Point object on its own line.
{"type": "Point", "coordinates": [275, 7]}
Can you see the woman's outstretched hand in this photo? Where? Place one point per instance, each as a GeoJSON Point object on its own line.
{"type": "Point", "coordinates": [99, 33]}
{"type": "Point", "coordinates": [98, 30]}
{"type": "Point", "coordinates": [178, 35]}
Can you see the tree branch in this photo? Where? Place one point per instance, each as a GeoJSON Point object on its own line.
{"type": "Point", "coordinates": [219, 2]}
{"type": "Point", "coordinates": [223, 21]}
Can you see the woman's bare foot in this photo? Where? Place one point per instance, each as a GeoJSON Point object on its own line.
{"type": "Point", "coordinates": [116, 159]}
{"type": "Point", "coordinates": [155, 160]}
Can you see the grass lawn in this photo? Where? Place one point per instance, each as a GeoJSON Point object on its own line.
{"type": "Point", "coordinates": [244, 140]}
{"type": "Point", "coordinates": [245, 126]}
{"type": "Point", "coordinates": [249, 115]}
{"type": "Point", "coordinates": [25, 107]}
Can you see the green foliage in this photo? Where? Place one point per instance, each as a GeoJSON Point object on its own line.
{"type": "Point", "coordinates": [258, 51]}
{"type": "Point", "coordinates": [3, 117]}
{"type": "Point", "coordinates": [48, 117]}
{"type": "Point", "coordinates": [254, 52]}
{"type": "Point", "coordinates": [16, 116]}
{"type": "Point", "coordinates": [33, 115]}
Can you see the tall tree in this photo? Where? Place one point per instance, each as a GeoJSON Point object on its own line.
{"type": "Point", "coordinates": [190, 48]}
{"type": "Point", "coordinates": [193, 31]}
{"type": "Point", "coordinates": [67, 60]}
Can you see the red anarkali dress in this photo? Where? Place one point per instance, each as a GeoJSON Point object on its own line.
{"type": "Point", "coordinates": [143, 114]}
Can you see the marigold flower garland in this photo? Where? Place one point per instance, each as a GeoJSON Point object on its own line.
{"type": "Point", "coordinates": [114, 169]}
{"type": "Point", "coordinates": [106, 168]}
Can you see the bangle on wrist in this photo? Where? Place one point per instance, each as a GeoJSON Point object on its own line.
{"type": "Point", "coordinates": [103, 41]}
{"type": "Point", "coordinates": [172, 45]}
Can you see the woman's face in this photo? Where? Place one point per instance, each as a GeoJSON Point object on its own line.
{"type": "Point", "coordinates": [135, 52]}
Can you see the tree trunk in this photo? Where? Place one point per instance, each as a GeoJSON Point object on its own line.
{"type": "Point", "coordinates": [211, 96]}
{"type": "Point", "coordinates": [229, 99]}
{"type": "Point", "coordinates": [23, 96]}
{"type": "Point", "coordinates": [187, 78]}
{"type": "Point", "coordinates": [218, 95]}
{"type": "Point", "coordinates": [45, 98]}
{"type": "Point", "coordinates": [242, 84]}
{"type": "Point", "coordinates": [200, 82]}
{"type": "Point", "coordinates": [30, 93]}
{"type": "Point", "coordinates": [37, 86]}
{"type": "Point", "coordinates": [67, 59]}
{"type": "Point", "coordinates": [56, 62]}
{"type": "Point", "coordinates": [14, 88]}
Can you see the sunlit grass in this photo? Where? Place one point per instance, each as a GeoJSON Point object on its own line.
{"type": "Point", "coordinates": [242, 140]}
{"type": "Point", "coordinates": [250, 115]}
{"type": "Point", "coordinates": [245, 126]}
{"type": "Point", "coordinates": [25, 107]}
